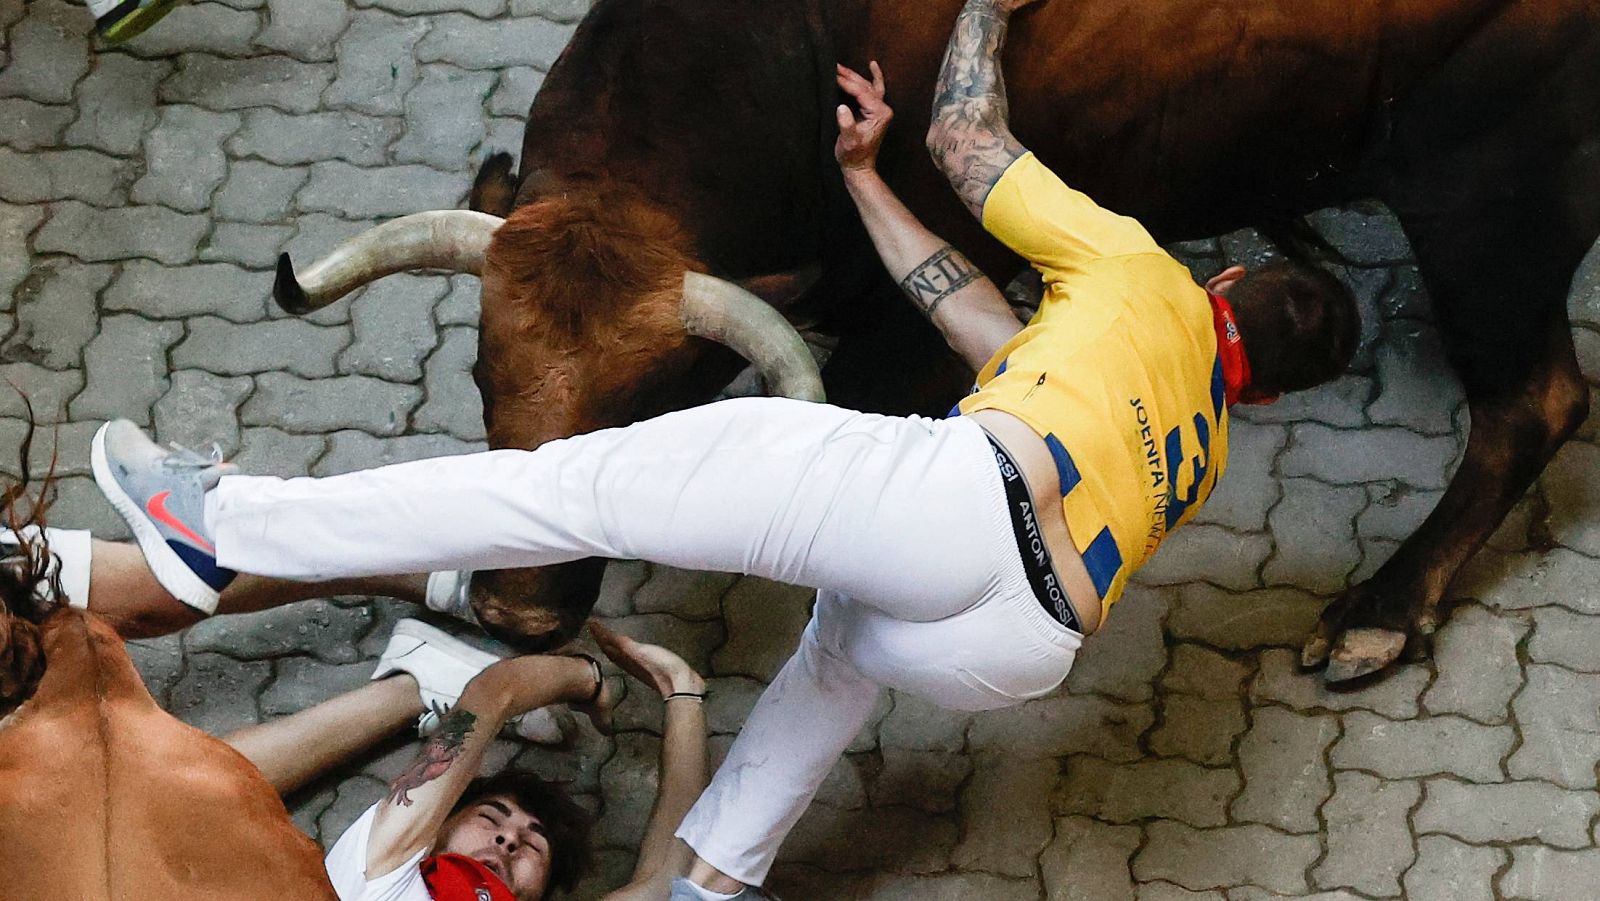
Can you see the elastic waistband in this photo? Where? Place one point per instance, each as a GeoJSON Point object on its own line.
{"type": "Point", "coordinates": [1036, 562]}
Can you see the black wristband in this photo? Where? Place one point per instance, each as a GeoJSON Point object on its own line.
{"type": "Point", "coordinates": [698, 696]}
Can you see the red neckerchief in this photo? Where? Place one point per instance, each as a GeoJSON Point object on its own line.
{"type": "Point", "coordinates": [1230, 349]}
{"type": "Point", "coordinates": [455, 877]}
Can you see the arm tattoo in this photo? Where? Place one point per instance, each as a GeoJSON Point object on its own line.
{"type": "Point", "coordinates": [970, 140]}
{"type": "Point", "coordinates": [938, 277]}
{"type": "Point", "coordinates": [437, 755]}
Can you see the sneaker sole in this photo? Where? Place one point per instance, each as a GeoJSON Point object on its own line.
{"type": "Point", "coordinates": [170, 570]}
{"type": "Point", "coordinates": [134, 23]}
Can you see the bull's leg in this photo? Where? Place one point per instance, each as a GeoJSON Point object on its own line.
{"type": "Point", "coordinates": [1498, 272]}
{"type": "Point", "coordinates": [892, 361]}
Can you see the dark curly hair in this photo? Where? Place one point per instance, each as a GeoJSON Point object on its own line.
{"type": "Point", "coordinates": [26, 577]}
{"type": "Point", "coordinates": [566, 824]}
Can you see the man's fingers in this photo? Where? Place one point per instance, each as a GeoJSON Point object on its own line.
{"type": "Point", "coordinates": [877, 76]}
{"type": "Point", "coordinates": [846, 118]}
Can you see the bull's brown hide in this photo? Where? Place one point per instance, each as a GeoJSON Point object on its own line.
{"type": "Point", "coordinates": [103, 795]}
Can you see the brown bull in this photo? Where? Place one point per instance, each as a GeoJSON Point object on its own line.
{"type": "Point", "coordinates": [679, 135]}
{"type": "Point", "coordinates": [106, 797]}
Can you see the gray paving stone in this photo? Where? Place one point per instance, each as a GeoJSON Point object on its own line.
{"type": "Point", "coordinates": [48, 390]}
{"type": "Point", "coordinates": [201, 408]}
{"type": "Point", "coordinates": [65, 446]}
{"type": "Point", "coordinates": [200, 27]}
{"type": "Point", "coordinates": [1447, 870]}
{"type": "Point", "coordinates": [1147, 790]}
{"type": "Point", "coordinates": [1249, 248]}
{"type": "Point", "coordinates": [1204, 673]}
{"type": "Point", "coordinates": [294, 140]}
{"type": "Point", "coordinates": [476, 44]}
{"type": "Point", "coordinates": [352, 450]}
{"type": "Point", "coordinates": [1211, 554]}
{"type": "Point", "coordinates": [255, 191]}
{"type": "Point", "coordinates": [950, 887]}
{"type": "Point", "coordinates": [1285, 777]}
{"type": "Point", "coordinates": [1566, 639]}
{"type": "Point", "coordinates": [273, 452]}
{"type": "Point", "coordinates": [291, 345]}
{"type": "Point", "coordinates": [1512, 536]}
{"type": "Point", "coordinates": [622, 578]}
{"type": "Point", "coordinates": [1343, 457]}
{"type": "Point", "coordinates": [117, 103]}
{"type": "Point", "coordinates": [1550, 875]}
{"type": "Point", "coordinates": [48, 53]}
{"type": "Point", "coordinates": [1369, 840]}
{"type": "Point", "coordinates": [355, 795]}
{"type": "Point", "coordinates": [1162, 890]}
{"type": "Point", "coordinates": [1363, 238]}
{"type": "Point", "coordinates": [1416, 388]}
{"type": "Point", "coordinates": [1088, 861]}
{"type": "Point", "coordinates": [251, 246]}
{"type": "Point", "coordinates": [25, 125]}
{"type": "Point", "coordinates": [460, 306]}
{"type": "Point", "coordinates": [452, 403]}
{"type": "Point", "coordinates": [218, 694]}
{"type": "Point", "coordinates": [1532, 579]}
{"type": "Point", "coordinates": [1252, 893]}
{"type": "Point", "coordinates": [80, 505]}
{"type": "Point", "coordinates": [444, 117]}
{"type": "Point", "coordinates": [1198, 729]}
{"type": "Point", "coordinates": [229, 84]}
{"type": "Point", "coordinates": [63, 175]}
{"type": "Point", "coordinates": [504, 133]}
{"type": "Point", "coordinates": [304, 29]}
{"type": "Point", "coordinates": [764, 623]}
{"type": "Point", "coordinates": [1571, 494]}
{"type": "Point", "coordinates": [306, 808]}
{"type": "Point", "coordinates": [1123, 658]}
{"type": "Point", "coordinates": [338, 187]}
{"type": "Point", "coordinates": [377, 65]}
{"type": "Point", "coordinates": [1243, 620]}
{"type": "Point", "coordinates": [56, 314]}
{"type": "Point", "coordinates": [1248, 488]}
{"type": "Point", "coordinates": [1476, 656]}
{"type": "Point", "coordinates": [172, 293]}
{"type": "Point", "coordinates": [1057, 726]}
{"type": "Point", "coordinates": [16, 224]}
{"type": "Point", "coordinates": [554, 10]}
{"type": "Point", "coordinates": [126, 369]}
{"type": "Point", "coordinates": [1558, 715]}
{"type": "Point", "coordinates": [323, 405]}
{"type": "Point", "coordinates": [1369, 287]}
{"type": "Point", "coordinates": [159, 662]}
{"type": "Point", "coordinates": [1201, 859]}
{"type": "Point", "coordinates": [694, 642]}
{"type": "Point", "coordinates": [927, 780]}
{"type": "Point", "coordinates": [394, 331]}
{"type": "Point", "coordinates": [1337, 403]}
{"type": "Point", "coordinates": [302, 682]}
{"type": "Point", "coordinates": [1313, 528]}
{"type": "Point", "coordinates": [483, 9]}
{"type": "Point", "coordinates": [514, 93]}
{"type": "Point", "coordinates": [1510, 812]}
{"type": "Point", "coordinates": [1005, 810]}
{"type": "Point", "coordinates": [1406, 297]}
{"type": "Point", "coordinates": [700, 595]}
{"type": "Point", "coordinates": [910, 841]}
{"type": "Point", "coordinates": [1394, 510]}
{"type": "Point", "coordinates": [95, 235]}
{"type": "Point", "coordinates": [1423, 747]}
{"type": "Point", "coordinates": [183, 158]}
{"type": "Point", "coordinates": [915, 724]}
{"type": "Point", "coordinates": [729, 700]}
{"type": "Point", "coordinates": [628, 784]}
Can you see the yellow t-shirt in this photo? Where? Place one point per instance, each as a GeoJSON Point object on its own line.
{"type": "Point", "coordinates": [1117, 372]}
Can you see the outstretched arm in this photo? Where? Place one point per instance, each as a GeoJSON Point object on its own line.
{"type": "Point", "coordinates": [963, 304]}
{"type": "Point", "coordinates": [970, 138]}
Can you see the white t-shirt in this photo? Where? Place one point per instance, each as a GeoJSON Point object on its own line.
{"type": "Point", "coordinates": [347, 869]}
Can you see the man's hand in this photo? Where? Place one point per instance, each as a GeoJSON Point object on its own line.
{"type": "Point", "coordinates": [655, 666]}
{"type": "Point", "coordinates": [859, 139]}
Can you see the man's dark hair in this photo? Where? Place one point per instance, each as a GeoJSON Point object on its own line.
{"type": "Point", "coordinates": [566, 824]}
{"type": "Point", "coordinates": [1300, 325]}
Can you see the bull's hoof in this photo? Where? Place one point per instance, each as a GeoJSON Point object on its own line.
{"type": "Point", "coordinates": [1362, 652]}
{"type": "Point", "coordinates": [1314, 653]}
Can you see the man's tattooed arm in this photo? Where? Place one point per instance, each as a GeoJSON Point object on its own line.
{"type": "Point", "coordinates": [436, 756]}
{"type": "Point", "coordinates": [969, 136]}
{"type": "Point", "coordinates": [938, 277]}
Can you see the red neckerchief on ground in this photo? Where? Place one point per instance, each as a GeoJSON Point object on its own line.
{"type": "Point", "coordinates": [454, 877]}
{"type": "Point", "coordinates": [1230, 349]}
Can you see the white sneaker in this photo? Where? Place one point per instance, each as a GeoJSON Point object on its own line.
{"type": "Point", "coordinates": [70, 551]}
{"type": "Point", "coordinates": [443, 665]}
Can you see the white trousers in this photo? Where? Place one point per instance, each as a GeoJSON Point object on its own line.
{"type": "Point", "coordinates": [900, 523]}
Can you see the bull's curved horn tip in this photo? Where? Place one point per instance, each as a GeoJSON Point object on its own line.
{"type": "Point", "coordinates": [286, 290]}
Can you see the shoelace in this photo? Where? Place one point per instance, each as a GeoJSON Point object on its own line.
{"type": "Point", "coordinates": [186, 458]}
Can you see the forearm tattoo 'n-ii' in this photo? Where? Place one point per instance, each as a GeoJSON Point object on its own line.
{"type": "Point", "coordinates": [437, 755]}
{"type": "Point", "coordinates": [938, 277]}
{"type": "Point", "coordinates": [970, 139]}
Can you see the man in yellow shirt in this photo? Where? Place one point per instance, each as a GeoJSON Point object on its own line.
{"type": "Point", "coordinates": [960, 560]}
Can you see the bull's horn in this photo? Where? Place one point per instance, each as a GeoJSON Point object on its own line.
{"type": "Point", "coordinates": [442, 239]}
{"type": "Point", "coordinates": [728, 314]}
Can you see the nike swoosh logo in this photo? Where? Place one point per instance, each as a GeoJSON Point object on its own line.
{"type": "Point", "coordinates": [157, 508]}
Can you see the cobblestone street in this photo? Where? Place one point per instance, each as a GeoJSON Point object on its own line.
{"type": "Point", "coordinates": [146, 192]}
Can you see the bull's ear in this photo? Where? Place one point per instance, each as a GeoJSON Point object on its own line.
{"type": "Point", "coordinates": [782, 289]}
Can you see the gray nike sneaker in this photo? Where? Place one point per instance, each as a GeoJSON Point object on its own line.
{"type": "Point", "coordinates": [160, 493]}
{"type": "Point", "coordinates": [684, 890]}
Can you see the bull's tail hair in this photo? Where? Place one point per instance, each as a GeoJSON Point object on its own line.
{"type": "Point", "coordinates": [23, 571]}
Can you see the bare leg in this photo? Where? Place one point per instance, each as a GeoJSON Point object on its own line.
{"type": "Point", "coordinates": [124, 591]}
{"type": "Point", "coordinates": [293, 750]}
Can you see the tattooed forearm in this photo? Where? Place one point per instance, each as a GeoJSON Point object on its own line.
{"type": "Point", "coordinates": [436, 756]}
{"type": "Point", "coordinates": [969, 137]}
{"type": "Point", "coordinates": [938, 277]}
